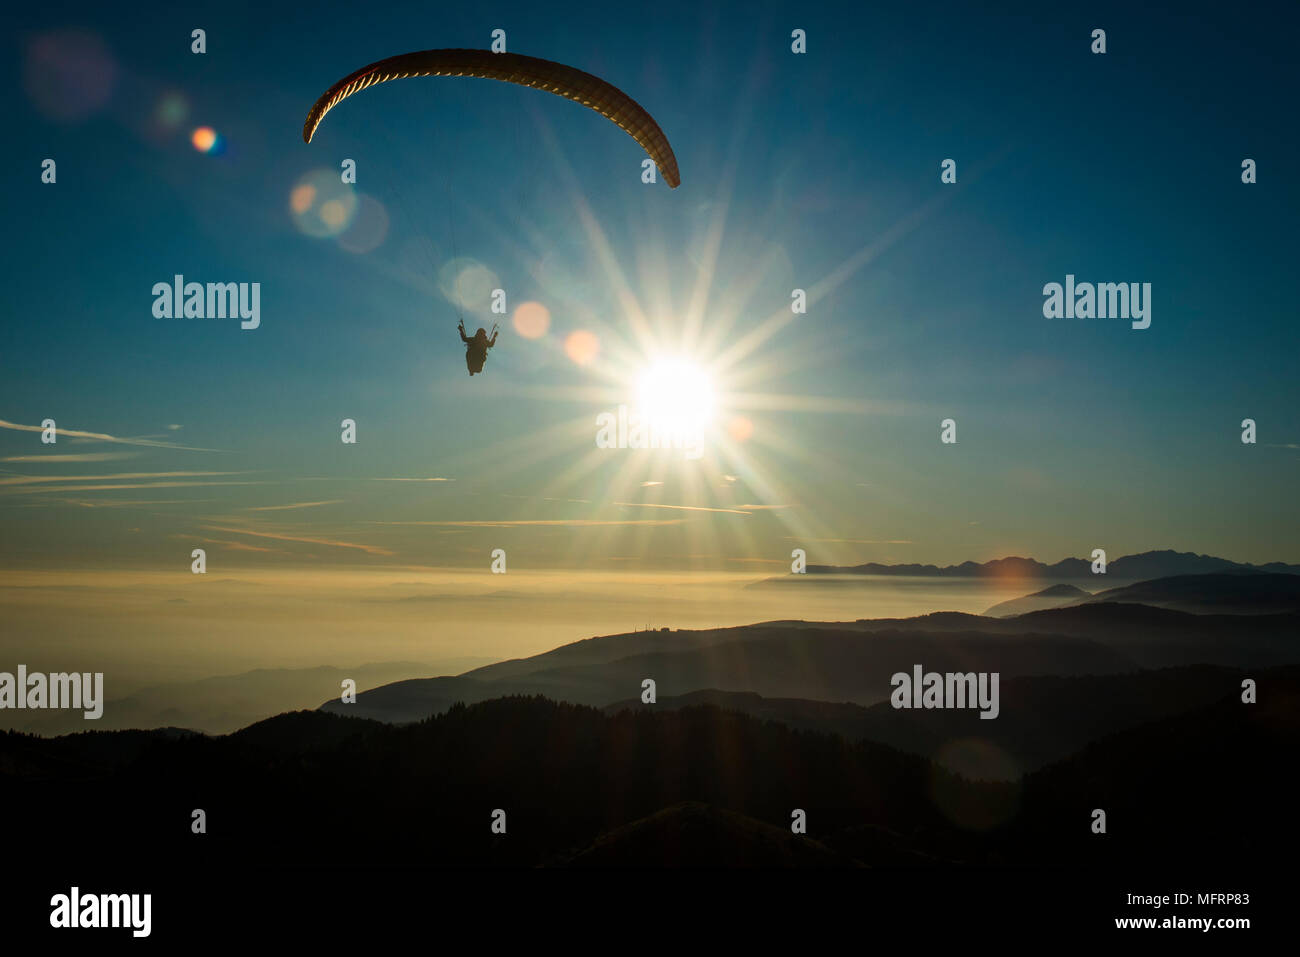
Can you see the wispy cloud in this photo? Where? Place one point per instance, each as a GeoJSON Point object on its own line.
{"type": "Point", "coordinates": [853, 541]}
{"type": "Point", "coordinates": [683, 508]}
{"type": "Point", "coordinates": [552, 522]}
{"type": "Point", "coordinates": [302, 539]}
{"type": "Point", "coordinates": [762, 508]}
{"type": "Point", "coordinates": [42, 479]}
{"type": "Point", "coordinates": [132, 503]}
{"type": "Point", "coordinates": [102, 437]}
{"type": "Point", "coordinates": [435, 479]}
{"type": "Point", "coordinates": [543, 498]}
{"type": "Point", "coordinates": [113, 488]}
{"type": "Point", "coordinates": [82, 457]}
{"type": "Point", "coordinates": [239, 546]}
{"type": "Point", "coordinates": [281, 508]}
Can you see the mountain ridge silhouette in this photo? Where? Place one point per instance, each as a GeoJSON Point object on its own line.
{"type": "Point", "coordinates": [1161, 563]}
{"type": "Point", "coordinates": [853, 661]}
{"type": "Point", "coordinates": [1201, 789]}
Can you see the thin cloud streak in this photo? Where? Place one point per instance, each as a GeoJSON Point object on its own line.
{"type": "Point", "coordinates": [41, 479]}
{"type": "Point", "coordinates": [853, 541]}
{"type": "Point", "coordinates": [684, 508]}
{"type": "Point", "coordinates": [103, 437]}
{"type": "Point", "coordinates": [552, 522]}
{"type": "Point", "coordinates": [240, 546]}
{"type": "Point", "coordinates": [131, 503]}
{"type": "Point", "coordinates": [110, 488]}
{"type": "Point", "coordinates": [302, 539]}
{"type": "Point", "coordinates": [82, 457]}
{"type": "Point", "coordinates": [281, 508]}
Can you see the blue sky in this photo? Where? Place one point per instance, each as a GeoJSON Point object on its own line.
{"type": "Point", "coordinates": [1072, 434]}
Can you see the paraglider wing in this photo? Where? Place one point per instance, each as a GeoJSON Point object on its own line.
{"type": "Point", "coordinates": [591, 91]}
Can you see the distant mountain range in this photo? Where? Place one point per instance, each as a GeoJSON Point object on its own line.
{"type": "Point", "coordinates": [1234, 593]}
{"type": "Point", "coordinates": [1147, 565]}
{"type": "Point", "coordinates": [225, 703]}
{"type": "Point", "coordinates": [1112, 702]}
{"type": "Point", "coordinates": [828, 664]}
{"type": "Point", "coordinates": [1230, 593]}
{"type": "Point", "coordinates": [854, 661]}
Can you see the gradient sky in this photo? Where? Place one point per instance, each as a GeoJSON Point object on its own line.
{"type": "Point", "coordinates": [818, 171]}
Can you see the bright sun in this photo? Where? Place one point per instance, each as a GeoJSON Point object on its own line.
{"type": "Point", "coordinates": [676, 396]}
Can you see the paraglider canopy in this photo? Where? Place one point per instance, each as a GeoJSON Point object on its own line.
{"type": "Point", "coordinates": [591, 91]}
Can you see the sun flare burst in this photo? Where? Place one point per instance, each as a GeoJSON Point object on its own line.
{"type": "Point", "coordinates": [675, 396]}
{"type": "Point", "coordinates": [683, 396]}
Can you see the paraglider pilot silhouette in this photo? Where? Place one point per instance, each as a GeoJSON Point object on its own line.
{"type": "Point", "coordinates": [476, 347]}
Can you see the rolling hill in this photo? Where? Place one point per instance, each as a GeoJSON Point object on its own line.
{"type": "Point", "coordinates": [1209, 788]}
{"type": "Point", "coordinates": [1042, 719]}
{"type": "Point", "coordinates": [853, 661]}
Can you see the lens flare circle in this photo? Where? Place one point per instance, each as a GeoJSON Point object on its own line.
{"type": "Point", "coordinates": [369, 227]}
{"type": "Point", "coordinates": [582, 347]}
{"type": "Point", "coordinates": [740, 429]}
{"type": "Point", "coordinates": [321, 204]}
{"type": "Point", "coordinates": [469, 285]}
{"type": "Point", "coordinates": [204, 139]}
{"type": "Point", "coordinates": [531, 320]}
